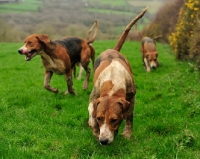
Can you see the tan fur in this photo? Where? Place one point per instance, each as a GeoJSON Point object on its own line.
{"type": "Point", "coordinates": [149, 53]}
{"type": "Point", "coordinates": [60, 56]}
{"type": "Point", "coordinates": [92, 53]}
{"type": "Point", "coordinates": [113, 94]}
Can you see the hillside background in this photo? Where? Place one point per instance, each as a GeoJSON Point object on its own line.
{"type": "Point", "coordinates": [72, 17]}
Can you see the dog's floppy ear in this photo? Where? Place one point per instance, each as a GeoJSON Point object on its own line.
{"type": "Point", "coordinates": [125, 106]}
{"type": "Point", "coordinates": [147, 55]}
{"type": "Point", "coordinates": [156, 54]}
{"type": "Point", "coordinates": [43, 38]}
{"type": "Point", "coordinates": [95, 104]}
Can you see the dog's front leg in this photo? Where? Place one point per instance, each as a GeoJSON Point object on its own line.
{"type": "Point", "coordinates": [147, 65]}
{"type": "Point", "coordinates": [92, 122]}
{"type": "Point", "coordinates": [47, 78]}
{"type": "Point", "coordinates": [128, 126]}
{"type": "Point", "coordinates": [69, 84]}
{"type": "Point", "coordinates": [80, 72]}
{"type": "Point", "coordinates": [129, 118]}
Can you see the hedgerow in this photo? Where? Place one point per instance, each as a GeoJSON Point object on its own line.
{"type": "Point", "coordinates": [165, 20]}
{"type": "Point", "coordinates": [184, 39]}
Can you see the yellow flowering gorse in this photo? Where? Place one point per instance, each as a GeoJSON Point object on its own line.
{"type": "Point", "coordinates": [184, 28]}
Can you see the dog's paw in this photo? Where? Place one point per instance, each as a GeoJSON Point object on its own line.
{"type": "Point", "coordinates": [71, 92]}
{"type": "Point", "coordinates": [54, 90]}
{"type": "Point", "coordinates": [127, 134]}
{"type": "Point", "coordinates": [148, 69]}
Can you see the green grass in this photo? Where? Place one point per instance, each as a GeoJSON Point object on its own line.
{"type": "Point", "coordinates": [153, 5]}
{"type": "Point", "coordinates": [108, 11]}
{"type": "Point", "coordinates": [110, 2]}
{"type": "Point", "coordinates": [24, 6]}
{"type": "Point", "coordinates": [36, 123]}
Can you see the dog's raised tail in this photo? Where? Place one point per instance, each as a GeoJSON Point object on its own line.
{"type": "Point", "coordinates": [122, 39]}
{"type": "Point", "coordinates": [95, 33]}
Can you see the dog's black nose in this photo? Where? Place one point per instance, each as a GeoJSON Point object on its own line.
{"type": "Point", "coordinates": [154, 67]}
{"type": "Point", "coordinates": [104, 142]}
{"type": "Point", "coordinates": [20, 51]}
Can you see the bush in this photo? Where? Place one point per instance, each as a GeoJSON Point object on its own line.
{"type": "Point", "coordinates": [7, 33]}
{"type": "Point", "coordinates": [185, 30]}
{"type": "Point", "coordinates": [165, 20]}
{"type": "Point", "coordinates": [194, 43]}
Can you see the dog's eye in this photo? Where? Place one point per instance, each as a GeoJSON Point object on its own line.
{"type": "Point", "coordinates": [113, 121]}
{"type": "Point", "coordinates": [29, 42]}
{"type": "Point", "coordinates": [99, 119]}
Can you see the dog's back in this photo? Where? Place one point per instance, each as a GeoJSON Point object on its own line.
{"type": "Point", "coordinates": [149, 44]}
{"type": "Point", "coordinates": [73, 47]}
{"type": "Point", "coordinates": [119, 73]}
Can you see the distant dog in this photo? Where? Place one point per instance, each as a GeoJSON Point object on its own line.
{"type": "Point", "coordinates": [59, 56]}
{"type": "Point", "coordinates": [149, 53]}
{"type": "Point", "coordinates": [113, 94]}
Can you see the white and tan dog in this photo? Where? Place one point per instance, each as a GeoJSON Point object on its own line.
{"type": "Point", "coordinates": [149, 52]}
{"type": "Point", "coordinates": [113, 95]}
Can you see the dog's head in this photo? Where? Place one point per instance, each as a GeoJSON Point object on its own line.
{"type": "Point", "coordinates": [109, 111]}
{"type": "Point", "coordinates": [33, 44]}
{"type": "Point", "coordinates": [152, 59]}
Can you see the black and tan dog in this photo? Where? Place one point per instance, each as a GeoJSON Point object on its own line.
{"type": "Point", "coordinates": [113, 94]}
{"type": "Point", "coordinates": [149, 52]}
{"type": "Point", "coordinates": [60, 56]}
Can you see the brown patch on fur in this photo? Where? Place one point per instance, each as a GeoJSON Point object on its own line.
{"type": "Point", "coordinates": [106, 87]}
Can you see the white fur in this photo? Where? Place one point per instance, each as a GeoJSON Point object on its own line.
{"type": "Point", "coordinates": [57, 66]}
{"type": "Point", "coordinates": [153, 64]}
{"type": "Point", "coordinates": [147, 64]}
{"type": "Point", "coordinates": [91, 121]}
{"type": "Point", "coordinates": [119, 76]}
{"type": "Point", "coordinates": [106, 134]}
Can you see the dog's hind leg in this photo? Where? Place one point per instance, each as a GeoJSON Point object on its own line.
{"type": "Point", "coordinates": [47, 78]}
{"type": "Point", "coordinates": [86, 81]}
{"type": "Point", "coordinates": [85, 60]}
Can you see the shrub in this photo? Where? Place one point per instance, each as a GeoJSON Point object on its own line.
{"type": "Point", "coordinates": [185, 29]}
{"type": "Point", "coordinates": [7, 33]}
{"type": "Point", "coordinates": [165, 20]}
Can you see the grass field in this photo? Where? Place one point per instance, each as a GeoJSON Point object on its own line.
{"type": "Point", "coordinates": [36, 123]}
{"type": "Point", "coordinates": [24, 6]}
{"type": "Point", "coordinates": [32, 6]}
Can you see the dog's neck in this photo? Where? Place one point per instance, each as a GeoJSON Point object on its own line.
{"type": "Point", "coordinates": [49, 47]}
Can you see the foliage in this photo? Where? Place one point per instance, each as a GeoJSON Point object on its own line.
{"type": "Point", "coordinates": [164, 21]}
{"type": "Point", "coordinates": [36, 123]}
{"type": "Point", "coordinates": [185, 29]}
{"type": "Point", "coordinates": [7, 33]}
{"type": "Point", "coordinates": [58, 19]}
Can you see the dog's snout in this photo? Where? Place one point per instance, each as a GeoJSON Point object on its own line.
{"type": "Point", "coordinates": [20, 51]}
{"type": "Point", "coordinates": [104, 142]}
{"type": "Point", "coordinates": [154, 67]}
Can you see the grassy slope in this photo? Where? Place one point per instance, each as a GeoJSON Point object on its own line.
{"type": "Point", "coordinates": [24, 6]}
{"type": "Point", "coordinates": [36, 123]}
